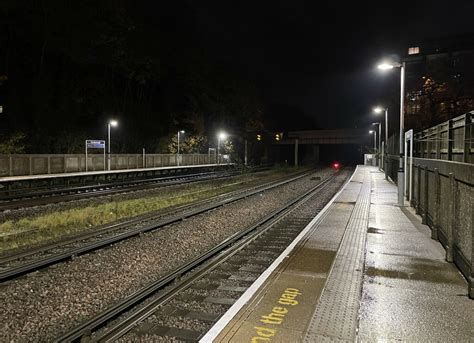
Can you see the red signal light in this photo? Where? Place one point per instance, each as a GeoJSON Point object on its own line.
{"type": "Point", "coordinates": [336, 165]}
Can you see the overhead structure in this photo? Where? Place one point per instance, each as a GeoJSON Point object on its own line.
{"type": "Point", "coordinates": [339, 136]}
{"type": "Point", "coordinates": [312, 146]}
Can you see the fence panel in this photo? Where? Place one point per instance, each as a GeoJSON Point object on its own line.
{"type": "Point", "coordinates": [446, 201]}
{"type": "Point", "coordinates": [24, 164]}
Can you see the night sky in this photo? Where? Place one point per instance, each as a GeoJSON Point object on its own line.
{"type": "Point", "coordinates": [319, 57]}
{"type": "Point", "coordinates": [202, 66]}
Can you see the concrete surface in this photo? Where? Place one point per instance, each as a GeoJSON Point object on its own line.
{"type": "Point", "coordinates": [368, 272]}
{"type": "Point", "coordinates": [410, 293]}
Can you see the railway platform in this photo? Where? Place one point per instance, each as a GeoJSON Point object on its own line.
{"type": "Point", "coordinates": [114, 172]}
{"type": "Point", "coordinates": [364, 269]}
{"type": "Point", "coordinates": [10, 185]}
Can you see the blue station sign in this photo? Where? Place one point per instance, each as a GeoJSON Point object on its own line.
{"type": "Point", "coordinates": [95, 144]}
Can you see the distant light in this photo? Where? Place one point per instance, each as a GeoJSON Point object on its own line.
{"type": "Point", "coordinates": [375, 123]}
{"type": "Point", "coordinates": [336, 165]}
{"type": "Point", "coordinates": [1, 109]}
{"type": "Point", "coordinates": [371, 131]}
{"type": "Point", "coordinates": [182, 131]}
{"type": "Point", "coordinates": [385, 66]}
{"type": "Point", "coordinates": [113, 123]}
{"type": "Point", "coordinates": [222, 135]}
{"type": "Point", "coordinates": [378, 109]}
{"type": "Point", "coordinates": [414, 50]}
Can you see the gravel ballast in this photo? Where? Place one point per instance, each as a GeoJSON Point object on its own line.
{"type": "Point", "coordinates": [159, 190]}
{"type": "Point", "coordinates": [23, 228]}
{"type": "Point", "coordinates": [42, 305]}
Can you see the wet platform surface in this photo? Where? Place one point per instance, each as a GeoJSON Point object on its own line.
{"type": "Point", "coordinates": [365, 271]}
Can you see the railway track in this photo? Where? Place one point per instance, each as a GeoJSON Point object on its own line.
{"type": "Point", "coordinates": [25, 262]}
{"type": "Point", "coordinates": [38, 198]}
{"type": "Point", "coordinates": [185, 303]}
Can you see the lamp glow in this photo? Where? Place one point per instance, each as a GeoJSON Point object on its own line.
{"type": "Point", "coordinates": [113, 123]}
{"type": "Point", "coordinates": [385, 66]}
{"type": "Point", "coordinates": [222, 135]}
{"type": "Point", "coordinates": [378, 109]}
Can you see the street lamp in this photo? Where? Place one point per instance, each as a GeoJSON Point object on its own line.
{"type": "Point", "coordinates": [373, 132]}
{"type": "Point", "coordinates": [387, 66]}
{"type": "Point", "coordinates": [221, 136]}
{"type": "Point", "coordinates": [113, 123]}
{"type": "Point", "coordinates": [177, 155]}
{"type": "Point", "coordinates": [380, 143]}
{"type": "Point", "coordinates": [400, 176]}
{"type": "Point", "coordinates": [379, 110]}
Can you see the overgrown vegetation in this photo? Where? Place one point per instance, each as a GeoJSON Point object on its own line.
{"type": "Point", "coordinates": [13, 144]}
{"type": "Point", "coordinates": [52, 226]}
{"type": "Point", "coordinates": [93, 61]}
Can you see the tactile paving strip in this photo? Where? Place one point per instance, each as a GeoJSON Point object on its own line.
{"type": "Point", "coordinates": [335, 317]}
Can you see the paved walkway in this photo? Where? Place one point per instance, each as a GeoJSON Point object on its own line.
{"type": "Point", "coordinates": [366, 270]}
{"type": "Point", "coordinates": [410, 292]}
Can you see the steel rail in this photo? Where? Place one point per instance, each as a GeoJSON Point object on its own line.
{"type": "Point", "coordinates": [62, 256]}
{"type": "Point", "coordinates": [123, 224]}
{"type": "Point", "coordinates": [85, 192]}
{"type": "Point", "coordinates": [112, 312]}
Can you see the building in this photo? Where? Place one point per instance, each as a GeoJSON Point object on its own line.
{"type": "Point", "coordinates": [440, 80]}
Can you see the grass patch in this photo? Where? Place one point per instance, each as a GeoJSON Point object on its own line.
{"type": "Point", "coordinates": [57, 225]}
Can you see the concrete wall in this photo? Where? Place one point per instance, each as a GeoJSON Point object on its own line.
{"type": "Point", "coordinates": [443, 194]}
{"type": "Point", "coordinates": [13, 165]}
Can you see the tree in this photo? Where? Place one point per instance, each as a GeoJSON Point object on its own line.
{"type": "Point", "coordinates": [13, 144]}
{"type": "Point", "coordinates": [71, 66]}
{"type": "Point", "coordinates": [189, 144]}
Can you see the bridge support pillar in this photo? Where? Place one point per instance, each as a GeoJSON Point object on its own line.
{"type": "Point", "coordinates": [296, 153]}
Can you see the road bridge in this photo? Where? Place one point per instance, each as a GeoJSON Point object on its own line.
{"type": "Point", "coordinates": [323, 145]}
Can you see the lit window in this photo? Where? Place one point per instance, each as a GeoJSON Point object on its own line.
{"type": "Point", "coordinates": [414, 50]}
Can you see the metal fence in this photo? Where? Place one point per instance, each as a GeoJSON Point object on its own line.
{"type": "Point", "coordinates": [442, 188]}
{"type": "Point", "coordinates": [452, 140]}
{"type": "Point", "coordinates": [443, 194]}
{"type": "Point", "coordinates": [26, 164]}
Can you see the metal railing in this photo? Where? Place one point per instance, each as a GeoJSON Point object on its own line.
{"type": "Point", "coordinates": [442, 188]}
{"type": "Point", "coordinates": [452, 140]}
{"type": "Point", "coordinates": [443, 194]}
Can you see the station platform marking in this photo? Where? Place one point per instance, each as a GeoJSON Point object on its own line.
{"type": "Point", "coordinates": [336, 315]}
{"type": "Point", "coordinates": [278, 306]}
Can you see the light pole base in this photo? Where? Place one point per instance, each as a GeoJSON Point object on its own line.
{"type": "Point", "coordinates": [400, 181]}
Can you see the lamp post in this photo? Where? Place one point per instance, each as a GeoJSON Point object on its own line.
{"type": "Point", "coordinates": [379, 110]}
{"type": "Point", "coordinates": [177, 155]}
{"type": "Point", "coordinates": [400, 176]}
{"type": "Point", "coordinates": [380, 141]}
{"type": "Point", "coordinates": [373, 132]}
{"type": "Point", "coordinates": [221, 136]}
{"type": "Point", "coordinates": [113, 123]}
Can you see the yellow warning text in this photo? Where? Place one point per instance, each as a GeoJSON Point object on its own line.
{"type": "Point", "coordinates": [265, 332]}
